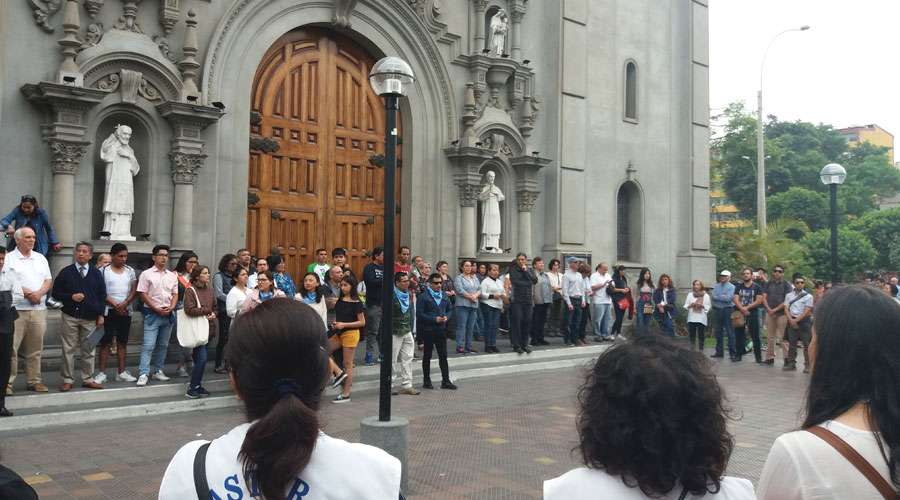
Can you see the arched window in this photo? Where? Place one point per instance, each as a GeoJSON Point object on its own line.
{"type": "Point", "coordinates": [628, 223]}
{"type": "Point", "coordinates": [631, 91]}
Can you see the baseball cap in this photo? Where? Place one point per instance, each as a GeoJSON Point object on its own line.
{"type": "Point", "coordinates": [725, 272]}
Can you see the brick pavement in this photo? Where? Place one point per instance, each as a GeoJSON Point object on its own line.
{"type": "Point", "coordinates": [492, 439]}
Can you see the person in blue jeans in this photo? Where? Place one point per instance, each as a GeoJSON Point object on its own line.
{"type": "Point", "coordinates": [158, 288]}
{"type": "Point", "coordinates": [574, 294]}
{"type": "Point", "coordinates": [468, 292]}
{"type": "Point", "coordinates": [492, 294]}
{"type": "Point", "coordinates": [664, 298]}
{"type": "Point", "coordinates": [723, 304]}
{"type": "Point", "coordinates": [645, 306]}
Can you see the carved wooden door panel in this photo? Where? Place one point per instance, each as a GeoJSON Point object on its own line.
{"type": "Point", "coordinates": [313, 100]}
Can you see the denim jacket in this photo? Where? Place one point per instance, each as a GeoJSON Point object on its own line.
{"type": "Point", "coordinates": [723, 295]}
{"type": "Point", "coordinates": [39, 221]}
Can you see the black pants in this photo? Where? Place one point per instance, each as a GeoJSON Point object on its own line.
{"type": "Point", "coordinates": [224, 326]}
{"type": "Point", "coordinates": [519, 323]}
{"type": "Point", "coordinates": [617, 324]}
{"type": "Point", "coordinates": [697, 331]}
{"type": "Point", "coordinates": [585, 319]}
{"type": "Point", "coordinates": [437, 340]}
{"type": "Point", "coordinates": [740, 334]}
{"type": "Point", "coordinates": [538, 321]}
{"type": "Point", "coordinates": [7, 328]}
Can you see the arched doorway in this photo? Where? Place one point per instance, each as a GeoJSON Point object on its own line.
{"type": "Point", "coordinates": [629, 223]}
{"type": "Point", "coordinates": [319, 189]}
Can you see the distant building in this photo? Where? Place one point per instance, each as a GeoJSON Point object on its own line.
{"type": "Point", "coordinates": [723, 214]}
{"type": "Point", "coordinates": [872, 134]}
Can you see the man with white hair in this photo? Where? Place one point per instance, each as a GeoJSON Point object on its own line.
{"type": "Point", "coordinates": [31, 270]}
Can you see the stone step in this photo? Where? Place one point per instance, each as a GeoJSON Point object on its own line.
{"type": "Point", "coordinates": [124, 400]}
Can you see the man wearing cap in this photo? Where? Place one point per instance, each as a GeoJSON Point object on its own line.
{"type": "Point", "coordinates": [723, 305]}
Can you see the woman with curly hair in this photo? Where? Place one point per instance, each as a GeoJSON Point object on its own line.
{"type": "Point", "coordinates": [652, 424]}
{"type": "Point", "coordinates": [852, 405]}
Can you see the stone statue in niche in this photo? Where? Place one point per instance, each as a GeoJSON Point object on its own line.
{"type": "Point", "coordinates": [499, 29]}
{"type": "Point", "coordinates": [490, 198]}
{"type": "Point", "coordinates": [121, 167]}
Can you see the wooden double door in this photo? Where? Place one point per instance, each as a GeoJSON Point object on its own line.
{"type": "Point", "coordinates": [319, 189]}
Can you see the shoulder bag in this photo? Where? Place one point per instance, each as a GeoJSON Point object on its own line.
{"type": "Point", "coordinates": [862, 465]}
{"type": "Point", "coordinates": [192, 331]}
{"type": "Point", "coordinates": [737, 319]}
{"type": "Point", "coordinates": [201, 483]}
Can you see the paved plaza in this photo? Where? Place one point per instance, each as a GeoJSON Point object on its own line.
{"type": "Point", "coordinates": [492, 439]}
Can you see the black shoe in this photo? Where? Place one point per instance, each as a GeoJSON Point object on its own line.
{"type": "Point", "coordinates": [736, 359]}
{"type": "Point", "coordinates": [5, 413]}
{"type": "Point", "coordinates": [789, 367]}
{"type": "Point", "coordinates": [769, 362]}
{"type": "Point", "coordinates": [448, 385]}
{"type": "Point", "coordinates": [718, 355]}
{"type": "Point", "coordinates": [427, 385]}
{"type": "Point", "coordinates": [518, 350]}
{"type": "Point", "coordinates": [220, 370]}
{"type": "Point", "coordinates": [527, 350]}
{"type": "Point", "coordinates": [543, 342]}
{"type": "Point", "coordinates": [759, 361]}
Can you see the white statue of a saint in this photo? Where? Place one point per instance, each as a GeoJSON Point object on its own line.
{"type": "Point", "coordinates": [499, 28]}
{"type": "Point", "coordinates": [490, 198]}
{"type": "Point", "coordinates": [121, 167]}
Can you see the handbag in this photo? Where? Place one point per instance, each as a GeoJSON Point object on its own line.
{"type": "Point", "coordinates": [622, 304]}
{"type": "Point", "coordinates": [737, 319]}
{"type": "Point", "coordinates": [648, 308]}
{"type": "Point", "coordinates": [192, 331]}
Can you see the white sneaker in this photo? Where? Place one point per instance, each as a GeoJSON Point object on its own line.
{"type": "Point", "coordinates": [125, 376]}
{"type": "Point", "coordinates": [182, 372]}
{"type": "Point", "coordinates": [142, 380]}
{"type": "Point", "coordinates": [160, 376]}
{"type": "Point", "coordinates": [100, 378]}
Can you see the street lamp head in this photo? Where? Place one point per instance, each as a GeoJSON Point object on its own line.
{"type": "Point", "coordinates": [391, 76]}
{"type": "Point", "coordinates": [746, 157]}
{"type": "Point", "coordinates": [833, 174]}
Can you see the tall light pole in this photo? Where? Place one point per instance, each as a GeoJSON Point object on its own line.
{"type": "Point", "coordinates": [760, 142]}
{"type": "Point", "coordinates": [391, 78]}
{"type": "Point", "coordinates": [833, 175]}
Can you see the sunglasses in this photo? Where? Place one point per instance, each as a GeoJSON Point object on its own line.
{"type": "Point", "coordinates": [778, 271]}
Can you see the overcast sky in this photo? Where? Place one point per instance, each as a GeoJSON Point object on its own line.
{"type": "Point", "coordinates": [843, 71]}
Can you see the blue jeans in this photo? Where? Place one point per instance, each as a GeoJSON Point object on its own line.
{"type": "Point", "coordinates": [723, 326]}
{"type": "Point", "coordinates": [157, 330]}
{"type": "Point", "coordinates": [601, 315]}
{"type": "Point", "coordinates": [491, 321]}
{"type": "Point", "coordinates": [465, 326]}
{"type": "Point", "coordinates": [641, 320]}
{"type": "Point", "coordinates": [574, 320]}
{"type": "Point", "coordinates": [199, 355]}
{"type": "Point", "coordinates": [479, 322]}
{"type": "Point", "coordinates": [665, 323]}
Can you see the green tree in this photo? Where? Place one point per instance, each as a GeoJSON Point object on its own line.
{"type": "Point", "coordinates": [880, 228]}
{"type": "Point", "coordinates": [855, 254]}
{"type": "Point", "coordinates": [735, 248]}
{"type": "Point", "coordinates": [894, 253]}
{"type": "Point", "coordinates": [722, 246]}
{"type": "Point", "coordinates": [806, 205]}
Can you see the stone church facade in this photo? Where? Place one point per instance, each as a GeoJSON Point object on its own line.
{"type": "Point", "coordinates": [255, 126]}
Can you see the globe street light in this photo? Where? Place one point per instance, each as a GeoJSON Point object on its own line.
{"type": "Point", "coordinates": [391, 78]}
{"type": "Point", "coordinates": [833, 175]}
{"type": "Point", "coordinates": [760, 143]}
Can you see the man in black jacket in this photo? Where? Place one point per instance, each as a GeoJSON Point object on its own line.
{"type": "Point", "coordinates": [82, 290]}
{"type": "Point", "coordinates": [522, 282]}
{"type": "Point", "coordinates": [8, 315]}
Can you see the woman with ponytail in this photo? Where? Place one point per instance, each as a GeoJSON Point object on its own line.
{"type": "Point", "coordinates": [852, 406]}
{"type": "Point", "coordinates": [278, 369]}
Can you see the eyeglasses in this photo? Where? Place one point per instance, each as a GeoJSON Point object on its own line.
{"type": "Point", "coordinates": [778, 271]}
{"type": "Point", "coordinates": [436, 282]}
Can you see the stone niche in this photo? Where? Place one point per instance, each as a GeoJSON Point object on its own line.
{"type": "Point", "coordinates": [141, 142]}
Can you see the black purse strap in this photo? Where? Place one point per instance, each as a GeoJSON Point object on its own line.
{"type": "Point", "coordinates": [201, 485]}
{"type": "Point", "coordinates": [684, 492]}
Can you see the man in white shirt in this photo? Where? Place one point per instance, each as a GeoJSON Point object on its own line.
{"type": "Point", "coordinates": [262, 265]}
{"type": "Point", "coordinates": [799, 305]}
{"type": "Point", "coordinates": [573, 292]}
{"type": "Point", "coordinates": [121, 291]}
{"type": "Point", "coordinates": [601, 303]}
{"type": "Point", "coordinates": [32, 272]}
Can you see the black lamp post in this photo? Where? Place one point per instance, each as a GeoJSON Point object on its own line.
{"type": "Point", "coordinates": [833, 175]}
{"type": "Point", "coordinates": [391, 78]}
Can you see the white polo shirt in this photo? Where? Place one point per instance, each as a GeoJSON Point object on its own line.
{"type": "Point", "coordinates": [30, 273]}
{"type": "Point", "coordinates": [600, 296]}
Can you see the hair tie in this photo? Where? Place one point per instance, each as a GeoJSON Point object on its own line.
{"type": "Point", "coordinates": [286, 387]}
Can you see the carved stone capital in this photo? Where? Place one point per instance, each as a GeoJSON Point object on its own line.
{"type": "Point", "coordinates": [65, 156]}
{"type": "Point", "coordinates": [480, 5]}
{"type": "Point", "coordinates": [185, 166]}
{"type": "Point", "coordinates": [468, 194]}
{"type": "Point", "coordinates": [343, 9]}
{"type": "Point", "coordinates": [526, 200]}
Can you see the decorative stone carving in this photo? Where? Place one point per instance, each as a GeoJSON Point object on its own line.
{"type": "Point", "coordinates": [490, 198]}
{"type": "Point", "coordinates": [66, 156]}
{"type": "Point", "coordinates": [185, 166]}
{"type": "Point", "coordinates": [342, 11]}
{"type": "Point", "coordinates": [526, 200]}
{"type": "Point", "coordinates": [42, 10]}
{"type": "Point", "coordinates": [93, 7]}
{"type": "Point", "coordinates": [127, 21]}
{"type": "Point", "coordinates": [148, 91]}
{"type": "Point", "coordinates": [468, 194]}
{"type": "Point", "coordinates": [118, 200]}
{"type": "Point", "coordinates": [499, 31]}
{"type": "Point", "coordinates": [163, 43]}
{"type": "Point", "coordinates": [168, 14]}
{"type": "Point", "coordinates": [130, 83]}
{"type": "Point", "coordinates": [109, 82]}
{"type": "Point", "coordinates": [188, 64]}
{"type": "Point", "coordinates": [68, 70]}
{"type": "Point", "coordinates": [93, 35]}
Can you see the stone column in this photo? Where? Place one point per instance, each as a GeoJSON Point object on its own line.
{"type": "Point", "coordinates": [480, 9]}
{"type": "Point", "coordinates": [516, 35]}
{"type": "Point", "coordinates": [65, 156]}
{"type": "Point", "coordinates": [184, 173]}
{"type": "Point", "coordinates": [526, 201]}
{"type": "Point", "coordinates": [467, 177]}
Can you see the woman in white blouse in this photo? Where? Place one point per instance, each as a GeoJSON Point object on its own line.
{"type": "Point", "coordinates": [854, 395]}
{"type": "Point", "coordinates": [238, 293]}
{"type": "Point", "coordinates": [698, 305]}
